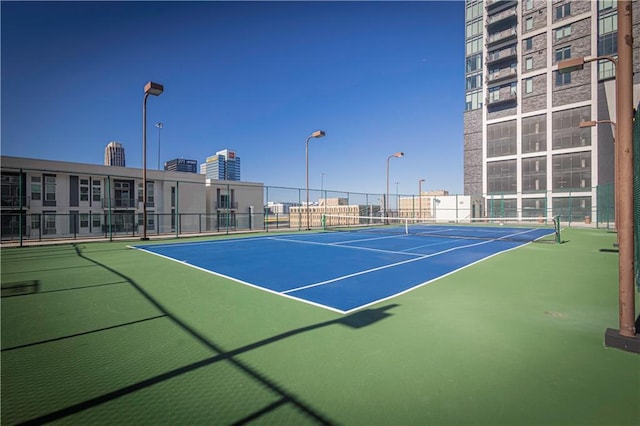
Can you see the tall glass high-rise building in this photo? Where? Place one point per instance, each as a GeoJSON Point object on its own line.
{"type": "Point", "coordinates": [114, 154]}
{"type": "Point", "coordinates": [224, 165]}
{"type": "Point", "coordinates": [525, 152]}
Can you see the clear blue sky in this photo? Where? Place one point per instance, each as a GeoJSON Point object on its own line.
{"type": "Point", "coordinates": [255, 77]}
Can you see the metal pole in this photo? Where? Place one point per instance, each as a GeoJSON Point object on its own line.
{"type": "Point", "coordinates": [386, 197]}
{"type": "Point", "coordinates": [420, 197]}
{"type": "Point", "coordinates": [144, 167]}
{"type": "Point", "coordinates": [109, 207]}
{"type": "Point", "coordinates": [20, 191]}
{"type": "Point", "coordinates": [624, 150]}
{"type": "Point", "coordinates": [307, 168]}
{"type": "Point", "coordinates": [159, 126]}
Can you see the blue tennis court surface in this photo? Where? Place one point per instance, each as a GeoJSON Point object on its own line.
{"type": "Point", "coordinates": [340, 271]}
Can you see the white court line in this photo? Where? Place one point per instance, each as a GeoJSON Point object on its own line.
{"type": "Point", "coordinates": [379, 268]}
{"type": "Point", "coordinates": [347, 247]}
{"type": "Point", "coordinates": [259, 287]}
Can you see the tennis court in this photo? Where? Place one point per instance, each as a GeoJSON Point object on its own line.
{"type": "Point", "coordinates": [98, 333]}
{"type": "Point", "coordinates": [346, 271]}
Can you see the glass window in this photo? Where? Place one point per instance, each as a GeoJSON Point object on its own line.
{"type": "Point", "coordinates": [474, 81]}
{"type": "Point", "coordinates": [606, 70]}
{"type": "Point", "coordinates": [528, 4]}
{"type": "Point", "coordinates": [563, 11]}
{"type": "Point", "coordinates": [494, 94]}
{"type": "Point", "coordinates": [473, 101]}
{"type": "Point", "coordinates": [84, 189]}
{"type": "Point", "coordinates": [474, 45]}
{"type": "Point", "coordinates": [84, 220]}
{"type": "Point", "coordinates": [572, 208]}
{"type": "Point", "coordinates": [96, 220]}
{"type": "Point", "coordinates": [607, 4]}
{"type": "Point", "coordinates": [36, 188]}
{"type": "Point", "coordinates": [563, 53]}
{"type": "Point", "coordinates": [501, 177]}
{"type": "Point", "coordinates": [528, 43]}
{"type": "Point", "coordinates": [528, 63]}
{"type": "Point", "coordinates": [35, 221]}
{"type": "Point", "coordinates": [534, 207]}
{"type": "Point", "coordinates": [563, 32]}
{"type": "Point", "coordinates": [96, 190]}
{"type": "Point", "coordinates": [608, 44]}
{"type": "Point", "coordinates": [563, 79]}
{"type": "Point", "coordinates": [572, 172]}
{"type": "Point", "coordinates": [474, 63]}
{"type": "Point", "coordinates": [501, 139]}
{"type": "Point", "coordinates": [474, 28]}
{"type": "Point", "coordinates": [528, 85]}
{"type": "Point", "coordinates": [534, 174]}
{"type": "Point", "coordinates": [566, 131]}
{"type": "Point", "coordinates": [49, 223]}
{"type": "Point", "coordinates": [534, 134]}
{"type": "Point", "coordinates": [50, 188]}
{"type": "Point", "coordinates": [608, 24]}
{"type": "Point", "coordinates": [528, 24]}
{"type": "Point", "coordinates": [474, 11]}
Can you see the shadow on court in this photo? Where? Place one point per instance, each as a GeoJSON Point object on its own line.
{"type": "Point", "coordinates": [283, 398]}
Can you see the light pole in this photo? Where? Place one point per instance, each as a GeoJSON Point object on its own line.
{"type": "Point", "coordinates": [322, 194]}
{"type": "Point", "coordinates": [420, 197]}
{"type": "Point", "coordinates": [625, 338]}
{"type": "Point", "coordinates": [154, 89]}
{"type": "Point", "coordinates": [159, 126]}
{"type": "Point", "coordinates": [317, 134]}
{"type": "Point", "coordinates": [386, 200]}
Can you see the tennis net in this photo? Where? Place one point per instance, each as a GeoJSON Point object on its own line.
{"type": "Point", "coordinates": [511, 229]}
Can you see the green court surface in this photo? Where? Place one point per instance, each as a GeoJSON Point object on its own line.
{"type": "Point", "coordinates": [98, 333]}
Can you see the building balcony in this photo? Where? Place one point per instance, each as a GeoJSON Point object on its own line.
{"type": "Point", "coordinates": [502, 54]}
{"type": "Point", "coordinates": [503, 97]}
{"type": "Point", "coordinates": [502, 75]}
{"type": "Point", "coordinates": [502, 36]}
{"type": "Point", "coordinates": [502, 17]}
{"type": "Point", "coordinates": [14, 202]}
{"type": "Point", "coordinates": [497, 6]}
{"type": "Point", "coordinates": [227, 206]}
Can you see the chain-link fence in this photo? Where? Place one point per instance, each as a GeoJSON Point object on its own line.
{"type": "Point", "coordinates": [40, 205]}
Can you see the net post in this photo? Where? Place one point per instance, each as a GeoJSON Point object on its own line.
{"type": "Point", "coordinates": [556, 224]}
{"type": "Point", "coordinates": [324, 222]}
{"type": "Point", "coordinates": [406, 226]}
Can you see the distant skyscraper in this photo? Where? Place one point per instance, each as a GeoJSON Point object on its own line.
{"type": "Point", "coordinates": [225, 165]}
{"type": "Point", "coordinates": [181, 165]}
{"type": "Point", "coordinates": [114, 155]}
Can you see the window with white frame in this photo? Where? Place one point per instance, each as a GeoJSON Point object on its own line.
{"type": "Point", "coordinates": [50, 188]}
{"type": "Point", "coordinates": [36, 188]}
{"type": "Point", "coordinates": [84, 189]}
{"type": "Point", "coordinates": [96, 190]}
{"type": "Point", "coordinates": [563, 32]}
{"type": "Point", "coordinates": [528, 24]}
{"type": "Point", "coordinates": [528, 85]}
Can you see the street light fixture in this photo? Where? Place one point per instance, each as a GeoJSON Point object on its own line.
{"type": "Point", "coordinates": [420, 197]}
{"type": "Point", "coordinates": [625, 338]}
{"type": "Point", "coordinates": [315, 135]}
{"type": "Point", "coordinates": [154, 89]}
{"type": "Point", "coordinates": [386, 201]}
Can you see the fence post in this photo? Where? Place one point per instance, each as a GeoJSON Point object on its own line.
{"type": "Point", "coordinates": [109, 227]}
{"type": "Point", "coordinates": [20, 189]}
{"type": "Point", "coordinates": [177, 219]}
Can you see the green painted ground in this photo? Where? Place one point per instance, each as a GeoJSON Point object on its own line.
{"type": "Point", "coordinates": [117, 336]}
